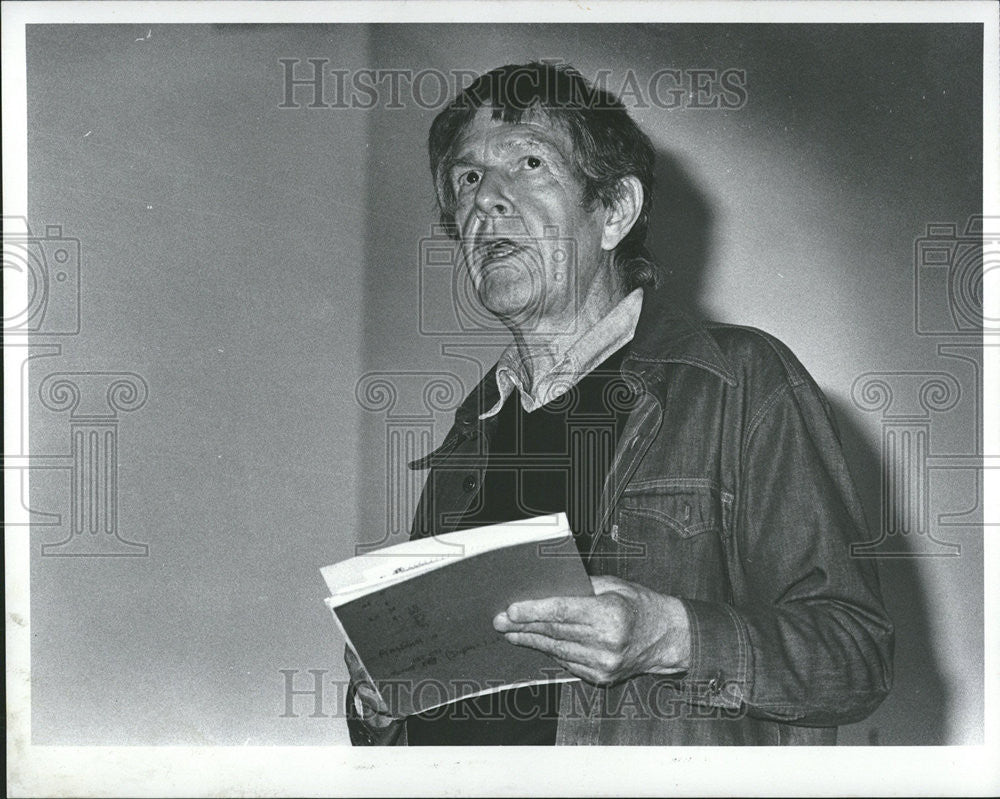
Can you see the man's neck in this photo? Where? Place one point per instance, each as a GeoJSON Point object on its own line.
{"type": "Point", "coordinates": [549, 339]}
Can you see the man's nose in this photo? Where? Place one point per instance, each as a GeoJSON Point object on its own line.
{"type": "Point", "coordinates": [492, 197]}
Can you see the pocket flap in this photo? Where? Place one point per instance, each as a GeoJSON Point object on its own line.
{"type": "Point", "coordinates": [688, 507]}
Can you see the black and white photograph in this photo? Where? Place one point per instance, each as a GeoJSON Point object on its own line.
{"type": "Point", "coordinates": [495, 379]}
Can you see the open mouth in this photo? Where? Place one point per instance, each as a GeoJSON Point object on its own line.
{"type": "Point", "coordinates": [495, 250]}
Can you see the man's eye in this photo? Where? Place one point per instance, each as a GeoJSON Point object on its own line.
{"type": "Point", "coordinates": [532, 162]}
{"type": "Point", "coordinates": [470, 178]}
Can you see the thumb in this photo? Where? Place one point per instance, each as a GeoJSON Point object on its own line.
{"type": "Point", "coordinates": [358, 673]}
{"type": "Point", "coordinates": [604, 584]}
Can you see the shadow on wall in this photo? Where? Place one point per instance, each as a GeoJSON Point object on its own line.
{"type": "Point", "coordinates": [919, 690]}
{"type": "Point", "coordinates": [679, 229]}
{"type": "Point", "coordinates": [679, 239]}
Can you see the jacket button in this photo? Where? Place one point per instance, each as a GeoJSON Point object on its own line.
{"type": "Point", "coordinates": [470, 483]}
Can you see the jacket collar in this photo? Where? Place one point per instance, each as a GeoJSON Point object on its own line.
{"type": "Point", "coordinates": [664, 334]}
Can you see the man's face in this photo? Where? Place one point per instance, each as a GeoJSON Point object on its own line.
{"type": "Point", "coordinates": [531, 247]}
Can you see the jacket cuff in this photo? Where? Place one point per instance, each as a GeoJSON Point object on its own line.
{"type": "Point", "coordinates": [720, 671]}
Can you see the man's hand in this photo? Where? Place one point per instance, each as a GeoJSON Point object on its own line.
{"type": "Point", "coordinates": [623, 631]}
{"type": "Point", "coordinates": [373, 711]}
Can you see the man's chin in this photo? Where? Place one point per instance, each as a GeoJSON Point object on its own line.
{"type": "Point", "coordinates": [512, 307]}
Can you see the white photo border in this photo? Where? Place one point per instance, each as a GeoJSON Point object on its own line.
{"type": "Point", "coordinates": [326, 771]}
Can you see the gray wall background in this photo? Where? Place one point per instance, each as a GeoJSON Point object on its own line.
{"type": "Point", "coordinates": [253, 264]}
{"type": "Point", "coordinates": [222, 245]}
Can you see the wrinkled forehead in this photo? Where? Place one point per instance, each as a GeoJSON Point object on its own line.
{"type": "Point", "coordinates": [484, 136]}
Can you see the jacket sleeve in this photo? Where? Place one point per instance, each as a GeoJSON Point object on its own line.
{"type": "Point", "coordinates": [807, 639]}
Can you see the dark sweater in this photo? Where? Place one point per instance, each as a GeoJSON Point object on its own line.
{"type": "Point", "coordinates": [552, 460]}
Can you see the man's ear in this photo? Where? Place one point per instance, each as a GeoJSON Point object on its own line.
{"type": "Point", "coordinates": [623, 212]}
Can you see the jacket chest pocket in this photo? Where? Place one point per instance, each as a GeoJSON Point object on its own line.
{"type": "Point", "coordinates": [668, 537]}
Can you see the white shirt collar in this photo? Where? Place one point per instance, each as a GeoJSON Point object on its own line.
{"type": "Point", "coordinates": [556, 373]}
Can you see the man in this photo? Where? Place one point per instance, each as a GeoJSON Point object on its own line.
{"type": "Point", "coordinates": [716, 524]}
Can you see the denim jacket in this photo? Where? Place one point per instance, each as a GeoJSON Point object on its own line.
{"type": "Point", "coordinates": [728, 490]}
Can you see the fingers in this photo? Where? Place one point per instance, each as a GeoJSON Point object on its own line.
{"type": "Point", "coordinates": [354, 666]}
{"type": "Point", "coordinates": [372, 710]}
{"type": "Point", "coordinates": [584, 619]}
{"type": "Point", "coordinates": [560, 650]}
{"type": "Point", "coordinates": [370, 697]}
{"type": "Point", "coordinates": [369, 704]}
{"type": "Point", "coordinates": [595, 666]}
{"type": "Point", "coordinates": [561, 609]}
{"type": "Point", "coordinates": [374, 718]}
{"type": "Point", "coordinates": [566, 632]}
{"type": "Point", "coordinates": [368, 701]}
